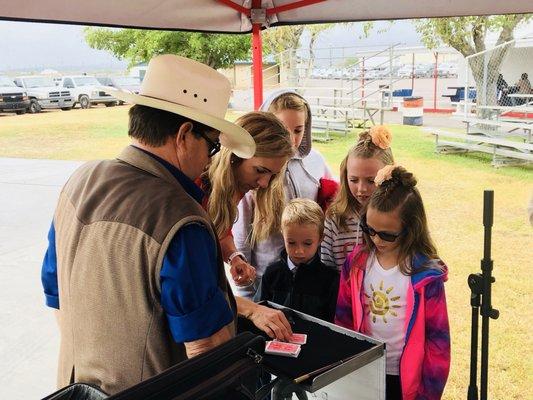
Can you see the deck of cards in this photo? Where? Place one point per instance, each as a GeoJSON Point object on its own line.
{"type": "Point", "coordinates": [298, 338]}
{"type": "Point", "coordinates": [287, 349]}
{"type": "Point", "coordinates": [276, 348]}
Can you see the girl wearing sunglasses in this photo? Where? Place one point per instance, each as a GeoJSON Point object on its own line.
{"type": "Point", "coordinates": [392, 288]}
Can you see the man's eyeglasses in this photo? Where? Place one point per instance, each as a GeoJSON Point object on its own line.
{"type": "Point", "coordinates": [213, 146]}
{"type": "Point", "coordinates": [386, 236]}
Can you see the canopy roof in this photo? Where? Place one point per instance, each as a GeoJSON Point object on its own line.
{"type": "Point", "coordinates": [223, 16]}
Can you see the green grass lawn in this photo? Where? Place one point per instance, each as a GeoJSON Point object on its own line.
{"type": "Point", "coordinates": [452, 187]}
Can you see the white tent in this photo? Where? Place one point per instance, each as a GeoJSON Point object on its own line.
{"type": "Point", "coordinates": [241, 16]}
{"type": "Point", "coordinates": [224, 15]}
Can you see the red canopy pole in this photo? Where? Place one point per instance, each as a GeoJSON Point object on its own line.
{"type": "Point", "coordinates": [257, 57]}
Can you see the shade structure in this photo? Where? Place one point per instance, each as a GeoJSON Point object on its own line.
{"type": "Point", "coordinates": [217, 16]}
{"type": "Point", "coordinates": [243, 16]}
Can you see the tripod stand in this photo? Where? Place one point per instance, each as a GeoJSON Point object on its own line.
{"type": "Point", "coordinates": [480, 286]}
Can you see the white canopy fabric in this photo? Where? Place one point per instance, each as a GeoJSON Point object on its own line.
{"type": "Point", "coordinates": [216, 16]}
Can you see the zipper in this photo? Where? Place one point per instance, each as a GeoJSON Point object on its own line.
{"type": "Point", "coordinates": [405, 341]}
{"type": "Point", "coordinates": [256, 357]}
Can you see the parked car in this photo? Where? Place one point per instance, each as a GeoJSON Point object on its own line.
{"type": "Point", "coordinates": [84, 89]}
{"type": "Point", "coordinates": [405, 71]}
{"type": "Point", "coordinates": [128, 83]}
{"type": "Point", "coordinates": [424, 70]}
{"type": "Point", "coordinates": [12, 98]}
{"type": "Point", "coordinates": [43, 93]}
{"type": "Point", "coordinates": [447, 70]}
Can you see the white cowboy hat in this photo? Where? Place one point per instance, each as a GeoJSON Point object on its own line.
{"type": "Point", "coordinates": [194, 90]}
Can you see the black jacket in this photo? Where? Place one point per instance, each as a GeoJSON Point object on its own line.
{"type": "Point", "coordinates": [312, 289]}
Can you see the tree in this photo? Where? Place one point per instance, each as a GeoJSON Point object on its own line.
{"type": "Point", "coordinates": [136, 45]}
{"type": "Point", "coordinates": [285, 40]}
{"type": "Point", "coordinates": [468, 36]}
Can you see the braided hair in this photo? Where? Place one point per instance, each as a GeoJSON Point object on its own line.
{"type": "Point", "coordinates": [397, 190]}
{"type": "Point", "coordinates": [372, 143]}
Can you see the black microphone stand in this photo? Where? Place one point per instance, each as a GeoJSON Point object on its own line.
{"type": "Point", "coordinates": [480, 286]}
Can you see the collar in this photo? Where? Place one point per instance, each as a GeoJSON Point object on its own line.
{"type": "Point", "coordinates": [190, 187]}
{"type": "Point", "coordinates": [292, 266]}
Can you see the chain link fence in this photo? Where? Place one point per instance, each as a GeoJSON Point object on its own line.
{"type": "Point", "coordinates": [498, 79]}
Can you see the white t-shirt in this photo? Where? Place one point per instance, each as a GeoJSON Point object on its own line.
{"type": "Point", "coordinates": [385, 298]}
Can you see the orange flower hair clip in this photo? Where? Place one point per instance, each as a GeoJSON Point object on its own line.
{"type": "Point", "coordinates": [381, 136]}
{"type": "Point", "coordinates": [384, 174]}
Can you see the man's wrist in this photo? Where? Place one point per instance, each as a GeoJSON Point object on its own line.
{"type": "Point", "coordinates": [245, 307]}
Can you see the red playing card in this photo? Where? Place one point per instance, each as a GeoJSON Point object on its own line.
{"type": "Point", "coordinates": [298, 338]}
{"type": "Point", "coordinates": [282, 349]}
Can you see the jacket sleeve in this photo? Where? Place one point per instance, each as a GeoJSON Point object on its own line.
{"type": "Point", "coordinates": [49, 271]}
{"type": "Point", "coordinates": [332, 298]}
{"type": "Point", "coordinates": [344, 312]}
{"type": "Point", "coordinates": [436, 363]}
{"type": "Point", "coordinates": [327, 171]}
{"type": "Point", "coordinates": [242, 228]}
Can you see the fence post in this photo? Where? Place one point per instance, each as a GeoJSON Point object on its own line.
{"type": "Point", "coordinates": [363, 82]}
{"type": "Point", "coordinates": [467, 97]}
{"type": "Point", "coordinates": [435, 76]}
{"type": "Point", "coordinates": [413, 74]}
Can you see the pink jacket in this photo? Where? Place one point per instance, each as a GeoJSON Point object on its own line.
{"type": "Point", "coordinates": [425, 360]}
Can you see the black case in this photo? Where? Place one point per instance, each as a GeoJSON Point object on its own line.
{"type": "Point", "coordinates": [227, 372]}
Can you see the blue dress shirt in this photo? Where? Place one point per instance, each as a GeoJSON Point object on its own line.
{"type": "Point", "coordinates": [194, 304]}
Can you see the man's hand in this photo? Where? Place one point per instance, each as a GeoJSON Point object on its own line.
{"type": "Point", "coordinates": [272, 322]}
{"type": "Point", "coordinates": [242, 273]}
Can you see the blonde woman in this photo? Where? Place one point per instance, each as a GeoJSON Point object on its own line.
{"type": "Point", "coordinates": [230, 177]}
{"type": "Point", "coordinates": [306, 176]}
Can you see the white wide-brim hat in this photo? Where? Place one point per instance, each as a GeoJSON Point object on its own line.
{"type": "Point", "coordinates": [193, 90]}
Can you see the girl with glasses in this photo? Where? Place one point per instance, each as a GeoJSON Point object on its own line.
{"type": "Point", "coordinates": [357, 172]}
{"type": "Point", "coordinates": [392, 288]}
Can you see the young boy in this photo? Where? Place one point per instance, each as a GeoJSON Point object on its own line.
{"type": "Point", "coordinates": [298, 279]}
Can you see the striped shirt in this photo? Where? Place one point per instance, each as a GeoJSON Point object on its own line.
{"type": "Point", "coordinates": [338, 243]}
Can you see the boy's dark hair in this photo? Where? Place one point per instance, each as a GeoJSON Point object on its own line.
{"type": "Point", "coordinates": [152, 126]}
{"type": "Point", "coordinates": [400, 192]}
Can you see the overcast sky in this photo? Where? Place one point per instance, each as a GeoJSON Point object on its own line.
{"type": "Point", "coordinates": [35, 46]}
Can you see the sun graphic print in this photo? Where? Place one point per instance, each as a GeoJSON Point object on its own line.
{"type": "Point", "coordinates": [380, 304]}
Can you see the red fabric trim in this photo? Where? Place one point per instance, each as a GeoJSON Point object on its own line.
{"type": "Point", "coordinates": [273, 10]}
{"type": "Point", "coordinates": [237, 7]}
{"type": "Point", "coordinates": [292, 6]}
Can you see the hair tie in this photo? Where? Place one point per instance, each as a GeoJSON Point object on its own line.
{"type": "Point", "coordinates": [381, 136]}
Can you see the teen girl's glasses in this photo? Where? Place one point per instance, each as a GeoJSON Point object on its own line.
{"type": "Point", "coordinates": [386, 236]}
{"type": "Point", "coordinates": [213, 146]}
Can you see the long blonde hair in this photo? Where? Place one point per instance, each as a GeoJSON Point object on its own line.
{"type": "Point", "coordinates": [344, 205]}
{"type": "Point", "coordinates": [272, 141]}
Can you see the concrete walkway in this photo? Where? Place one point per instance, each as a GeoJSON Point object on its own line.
{"type": "Point", "coordinates": [29, 337]}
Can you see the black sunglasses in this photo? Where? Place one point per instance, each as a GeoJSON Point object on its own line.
{"type": "Point", "coordinates": [213, 147]}
{"type": "Point", "coordinates": [386, 236]}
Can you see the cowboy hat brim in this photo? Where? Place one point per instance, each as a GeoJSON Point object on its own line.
{"type": "Point", "coordinates": [232, 136]}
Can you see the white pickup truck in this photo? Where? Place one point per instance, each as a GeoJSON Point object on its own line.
{"type": "Point", "coordinates": [84, 89]}
{"type": "Point", "coordinates": [44, 94]}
